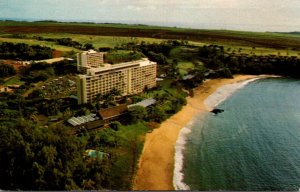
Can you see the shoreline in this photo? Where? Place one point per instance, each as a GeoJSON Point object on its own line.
{"type": "Point", "coordinates": [157, 161]}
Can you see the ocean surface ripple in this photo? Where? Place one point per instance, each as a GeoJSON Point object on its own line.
{"type": "Point", "coordinates": [253, 145]}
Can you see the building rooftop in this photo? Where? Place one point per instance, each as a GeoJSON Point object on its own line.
{"type": "Point", "coordinates": [109, 67]}
{"type": "Point", "coordinates": [144, 103]}
{"type": "Point", "coordinates": [81, 120]}
{"type": "Point", "coordinates": [91, 51]}
{"type": "Point", "coordinates": [113, 111]}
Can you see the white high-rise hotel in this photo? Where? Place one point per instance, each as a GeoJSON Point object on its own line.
{"type": "Point", "coordinates": [129, 78]}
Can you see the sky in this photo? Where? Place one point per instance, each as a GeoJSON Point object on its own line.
{"type": "Point", "coordinates": [246, 15]}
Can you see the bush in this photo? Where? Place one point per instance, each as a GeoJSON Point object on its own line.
{"type": "Point", "coordinates": [115, 125]}
{"type": "Point", "coordinates": [6, 70]}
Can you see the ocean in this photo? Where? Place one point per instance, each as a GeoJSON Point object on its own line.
{"type": "Point", "coordinates": [253, 145]}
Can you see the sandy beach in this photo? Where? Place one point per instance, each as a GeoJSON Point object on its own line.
{"type": "Point", "coordinates": [156, 163]}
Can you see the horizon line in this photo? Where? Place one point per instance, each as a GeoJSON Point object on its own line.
{"type": "Point", "coordinates": [150, 24]}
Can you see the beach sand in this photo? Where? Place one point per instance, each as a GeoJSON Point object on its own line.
{"type": "Point", "coordinates": [156, 163]}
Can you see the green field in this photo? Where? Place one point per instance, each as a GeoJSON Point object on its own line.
{"type": "Point", "coordinates": [97, 41]}
{"type": "Point", "coordinates": [15, 80]}
{"type": "Point", "coordinates": [222, 37]}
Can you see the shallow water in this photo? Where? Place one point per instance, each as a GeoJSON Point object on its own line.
{"type": "Point", "coordinates": [253, 145]}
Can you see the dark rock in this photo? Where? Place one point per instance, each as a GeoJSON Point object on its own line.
{"type": "Point", "coordinates": [216, 111]}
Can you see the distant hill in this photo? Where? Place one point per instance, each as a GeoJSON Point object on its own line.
{"type": "Point", "coordinates": [295, 33]}
{"type": "Point", "coordinates": [291, 33]}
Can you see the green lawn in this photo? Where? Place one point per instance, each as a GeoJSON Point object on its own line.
{"type": "Point", "coordinates": [184, 67]}
{"type": "Point", "coordinates": [15, 80]}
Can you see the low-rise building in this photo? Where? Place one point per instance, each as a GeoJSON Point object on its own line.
{"type": "Point", "coordinates": [113, 113]}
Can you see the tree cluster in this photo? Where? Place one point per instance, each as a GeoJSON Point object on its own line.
{"type": "Point", "coordinates": [6, 70]}
{"type": "Point", "coordinates": [114, 57]}
{"type": "Point", "coordinates": [167, 104]}
{"type": "Point", "coordinates": [22, 51]}
{"type": "Point", "coordinates": [157, 52]}
{"type": "Point", "coordinates": [225, 64]}
{"type": "Point", "coordinates": [67, 42]}
{"type": "Point", "coordinates": [35, 158]}
{"type": "Point", "coordinates": [42, 71]}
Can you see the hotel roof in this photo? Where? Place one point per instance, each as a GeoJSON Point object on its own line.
{"type": "Point", "coordinates": [109, 67]}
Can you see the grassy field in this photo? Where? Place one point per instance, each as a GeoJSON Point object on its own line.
{"type": "Point", "coordinates": [99, 41]}
{"type": "Point", "coordinates": [111, 35]}
{"type": "Point", "coordinates": [243, 49]}
{"type": "Point", "coordinates": [226, 37]}
{"type": "Point", "coordinates": [184, 67]}
{"type": "Point", "coordinates": [15, 80]}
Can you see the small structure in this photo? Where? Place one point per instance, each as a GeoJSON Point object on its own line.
{"type": "Point", "coordinates": [75, 121]}
{"type": "Point", "coordinates": [86, 123]}
{"type": "Point", "coordinates": [145, 103]}
{"type": "Point", "coordinates": [50, 61]}
{"type": "Point", "coordinates": [95, 154]}
{"type": "Point", "coordinates": [113, 113]}
{"type": "Point", "coordinates": [5, 89]}
{"type": "Point", "coordinates": [188, 77]}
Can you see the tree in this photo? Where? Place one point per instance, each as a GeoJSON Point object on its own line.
{"type": "Point", "coordinates": [88, 46]}
{"type": "Point", "coordinates": [156, 114]}
{"type": "Point", "coordinates": [34, 158]}
{"type": "Point", "coordinates": [137, 113]}
{"type": "Point", "coordinates": [115, 125]}
{"type": "Point", "coordinates": [36, 94]}
{"type": "Point", "coordinates": [6, 70]}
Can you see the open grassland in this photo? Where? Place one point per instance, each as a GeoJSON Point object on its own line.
{"type": "Point", "coordinates": [240, 38]}
{"type": "Point", "coordinates": [36, 42]}
{"type": "Point", "coordinates": [184, 67]}
{"type": "Point", "coordinates": [98, 41]}
{"type": "Point", "coordinates": [244, 49]}
{"type": "Point", "coordinates": [15, 80]}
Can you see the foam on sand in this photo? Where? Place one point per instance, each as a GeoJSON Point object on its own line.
{"type": "Point", "coordinates": [222, 93]}
{"type": "Point", "coordinates": [178, 175]}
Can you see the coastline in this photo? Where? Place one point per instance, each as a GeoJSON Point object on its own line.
{"type": "Point", "coordinates": [156, 163]}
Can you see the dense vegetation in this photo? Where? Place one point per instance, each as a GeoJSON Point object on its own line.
{"type": "Point", "coordinates": [22, 51]}
{"type": "Point", "coordinates": [225, 64]}
{"type": "Point", "coordinates": [114, 57]}
{"type": "Point", "coordinates": [35, 158]}
{"type": "Point", "coordinates": [66, 42]}
{"type": "Point", "coordinates": [6, 70]}
{"type": "Point", "coordinates": [42, 71]}
{"type": "Point", "coordinates": [214, 61]}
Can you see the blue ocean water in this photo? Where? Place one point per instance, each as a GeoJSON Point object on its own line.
{"type": "Point", "coordinates": [253, 145]}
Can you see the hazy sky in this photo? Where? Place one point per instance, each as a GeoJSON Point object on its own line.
{"type": "Point", "coordinates": [255, 15]}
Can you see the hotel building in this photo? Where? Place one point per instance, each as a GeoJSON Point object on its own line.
{"type": "Point", "coordinates": [129, 78]}
{"type": "Point", "coordinates": [89, 59]}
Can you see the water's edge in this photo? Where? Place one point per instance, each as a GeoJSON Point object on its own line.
{"type": "Point", "coordinates": [216, 98]}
